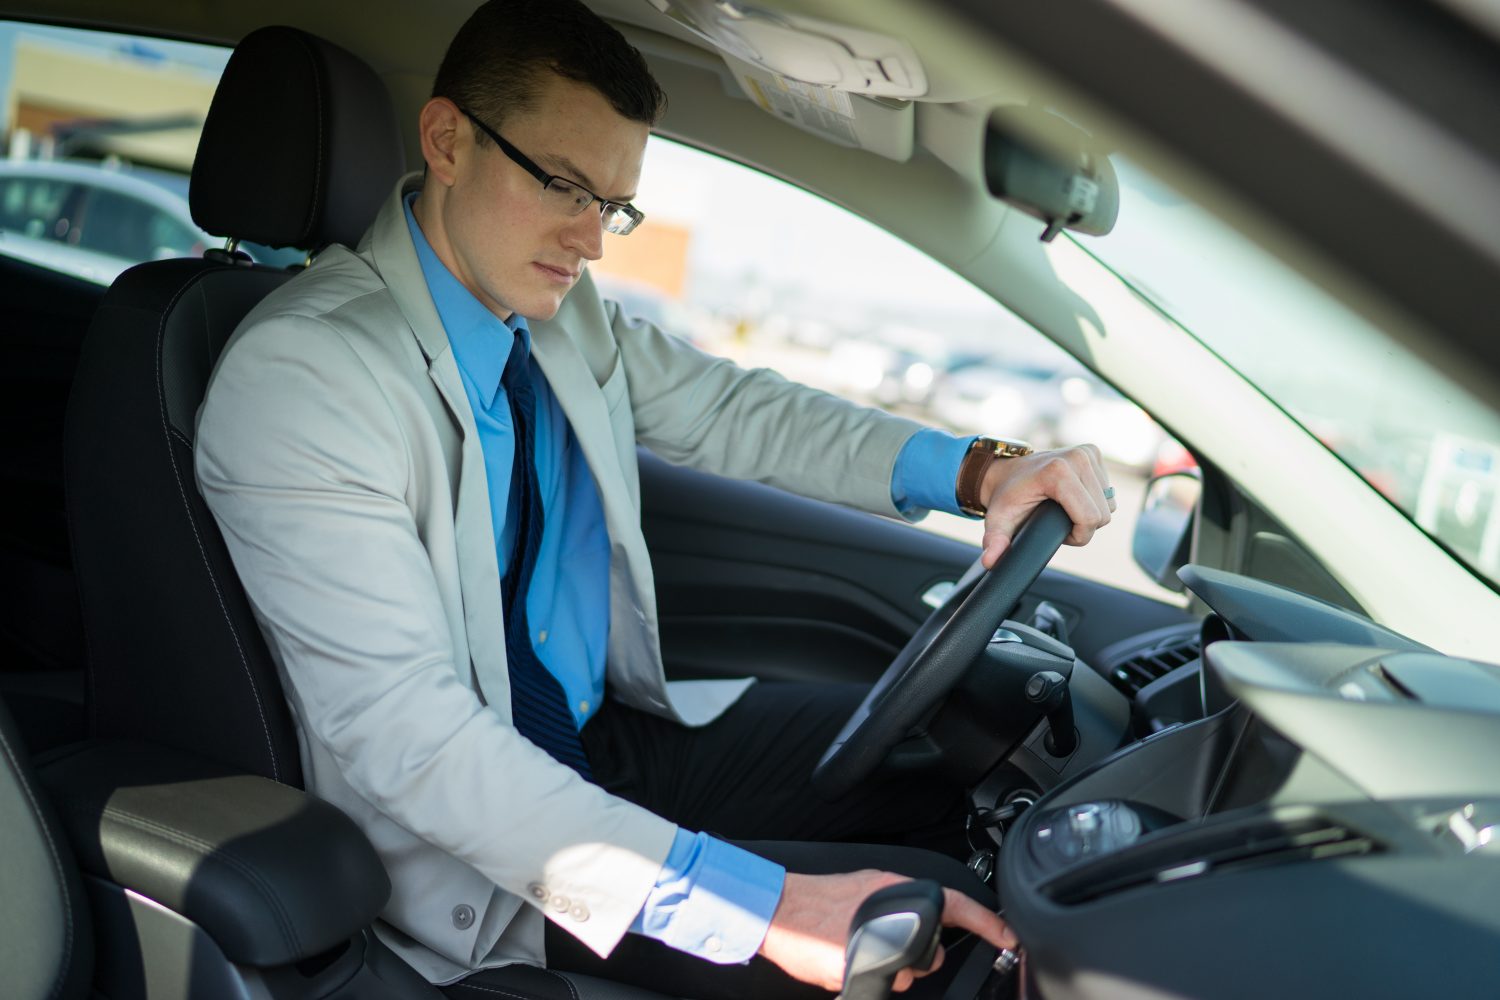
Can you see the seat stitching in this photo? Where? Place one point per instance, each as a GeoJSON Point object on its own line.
{"type": "Point", "coordinates": [325, 76]}
{"type": "Point", "coordinates": [210, 852]}
{"type": "Point", "coordinates": [57, 866]}
{"type": "Point", "coordinates": [161, 399]}
{"type": "Point", "coordinates": [566, 982]}
{"type": "Point", "coordinates": [491, 989]}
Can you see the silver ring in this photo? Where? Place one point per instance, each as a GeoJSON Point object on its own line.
{"type": "Point", "coordinates": [1109, 492]}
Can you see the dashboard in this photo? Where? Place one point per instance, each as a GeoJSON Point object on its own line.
{"type": "Point", "coordinates": [1322, 826]}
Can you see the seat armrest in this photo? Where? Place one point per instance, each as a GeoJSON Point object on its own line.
{"type": "Point", "coordinates": [272, 874]}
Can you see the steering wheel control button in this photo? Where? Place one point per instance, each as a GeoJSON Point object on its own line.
{"type": "Point", "coordinates": [1084, 831]}
{"type": "Point", "coordinates": [463, 916]}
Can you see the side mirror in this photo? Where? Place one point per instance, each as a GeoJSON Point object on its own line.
{"type": "Point", "coordinates": [1163, 534]}
{"type": "Point", "coordinates": [1046, 166]}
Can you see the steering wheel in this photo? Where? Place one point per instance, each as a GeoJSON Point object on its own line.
{"type": "Point", "coordinates": [939, 654]}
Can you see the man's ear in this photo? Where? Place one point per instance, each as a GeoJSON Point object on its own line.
{"type": "Point", "coordinates": [439, 125]}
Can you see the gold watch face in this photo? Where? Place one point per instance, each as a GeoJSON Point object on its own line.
{"type": "Point", "coordinates": [1007, 447]}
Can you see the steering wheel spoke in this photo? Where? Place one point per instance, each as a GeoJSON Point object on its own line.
{"type": "Point", "coordinates": [938, 655]}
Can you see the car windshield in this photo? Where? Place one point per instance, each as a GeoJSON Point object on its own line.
{"type": "Point", "coordinates": [1425, 443]}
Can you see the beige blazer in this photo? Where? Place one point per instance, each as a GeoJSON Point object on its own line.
{"type": "Point", "coordinates": [339, 455]}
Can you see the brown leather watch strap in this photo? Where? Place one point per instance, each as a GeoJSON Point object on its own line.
{"type": "Point", "coordinates": [976, 463]}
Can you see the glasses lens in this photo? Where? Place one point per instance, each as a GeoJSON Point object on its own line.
{"type": "Point", "coordinates": [565, 197]}
{"type": "Point", "coordinates": [621, 219]}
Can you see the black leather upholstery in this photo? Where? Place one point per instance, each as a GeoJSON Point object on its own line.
{"type": "Point", "coordinates": [299, 147]}
{"type": "Point", "coordinates": [272, 874]}
{"type": "Point", "coordinates": [514, 982]}
{"type": "Point", "coordinates": [175, 656]}
{"type": "Point", "coordinates": [46, 949]}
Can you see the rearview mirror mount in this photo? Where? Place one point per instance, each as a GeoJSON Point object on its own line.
{"type": "Point", "coordinates": [1041, 163]}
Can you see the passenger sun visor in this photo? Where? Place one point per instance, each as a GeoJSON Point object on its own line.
{"type": "Point", "coordinates": [846, 85]}
{"type": "Point", "coordinates": [1041, 163]}
{"type": "Point", "coordinates": [804, 49]}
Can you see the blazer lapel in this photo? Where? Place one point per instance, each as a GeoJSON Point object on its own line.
{"type": "Point", "coordinates": [583, 404]}
{"type": "Point", "coordinates": [634, 645]}
{"type": "Point", "coordinates": [479, 572]}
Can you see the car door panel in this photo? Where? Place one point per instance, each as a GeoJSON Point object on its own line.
{"type": "Point", "coordinates": [753, 580]}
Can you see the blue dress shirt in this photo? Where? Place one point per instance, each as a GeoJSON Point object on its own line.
{"type": "Point", "coordinates": [711, 899]}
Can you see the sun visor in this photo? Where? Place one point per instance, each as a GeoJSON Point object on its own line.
{"type": "Point", "coordinates": [886, 128]}
{"type": "Point", "coordinates": [809, 51]}
{"type": "Point", "coordinates": [846, 85]}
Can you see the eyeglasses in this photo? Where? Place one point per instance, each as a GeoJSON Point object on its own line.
{"type": "Point", "coordinates": [562, 194]}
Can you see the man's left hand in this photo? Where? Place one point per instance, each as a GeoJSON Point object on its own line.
{"type": "Point", "coordinates": [1012, 488]}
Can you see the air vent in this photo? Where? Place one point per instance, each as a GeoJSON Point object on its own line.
{"type": "Point", "coordinates": [1153, 662]}
{"type": "Point", "coordinates": [1197, 851]}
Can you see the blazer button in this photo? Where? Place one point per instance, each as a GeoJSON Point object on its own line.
{"type": "Point", "coordinates": [579, 912]}
{"type": "Point", "coordinates": [463, 916]}
{"type": "Point", "coordinates": [560, 903]}
{"type": "Point", "coordinates": [538, 892]}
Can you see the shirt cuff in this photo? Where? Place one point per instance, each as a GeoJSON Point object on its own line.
{"type": "Point", "coordinates": [926, 473]}
{"type": "Point", "coordinates": [712, 899]}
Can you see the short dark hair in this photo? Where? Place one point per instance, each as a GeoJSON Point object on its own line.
{"type": "Point", "coordinates": [493, 65]}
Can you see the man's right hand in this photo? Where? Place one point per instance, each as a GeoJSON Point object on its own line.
{"type": "Point", "coordinates": [811, 925]}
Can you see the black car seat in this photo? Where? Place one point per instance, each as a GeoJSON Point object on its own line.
{"type": "Point", "coordinates": [299, 148]}
{"type": "Point", "coordinates": [46, 947]}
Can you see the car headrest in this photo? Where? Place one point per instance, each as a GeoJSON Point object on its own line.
{"type": "Point", "coordinates": [300, 145]}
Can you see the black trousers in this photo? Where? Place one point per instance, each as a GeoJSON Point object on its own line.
{"type": "Point", "coordinates": [745, 778]}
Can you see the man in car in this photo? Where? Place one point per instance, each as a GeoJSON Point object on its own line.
{"type": "Point", "coordinates": [422, 457]}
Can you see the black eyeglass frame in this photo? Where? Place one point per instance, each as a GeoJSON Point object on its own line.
{"type": "Point", "coordinates": [635, 215]}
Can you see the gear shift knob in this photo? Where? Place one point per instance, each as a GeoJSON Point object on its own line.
{"type": "Point", "coordinates": [893, 929]}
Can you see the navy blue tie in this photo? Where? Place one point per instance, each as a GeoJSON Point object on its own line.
{"type": "Point", "coordinates": [538, 706]}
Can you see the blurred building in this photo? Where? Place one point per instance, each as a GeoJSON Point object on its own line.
{"type": "Point", "coordinates": [98, 101]}
{"type": "Point", "coordinates": [654, 257]}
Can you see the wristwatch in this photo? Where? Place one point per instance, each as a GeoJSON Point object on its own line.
{"type": "Point", "coordinates": [976, 461]}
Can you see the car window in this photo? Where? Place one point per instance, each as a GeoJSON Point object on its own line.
{"type": "Point", "coordinates": [772, 276]}
{"type": "Point", "coordinates": [99, 132]}
{"type": "Point", "coordinates": [127, 227]}
{"type": "Point", "coordinates": [34, 207]}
